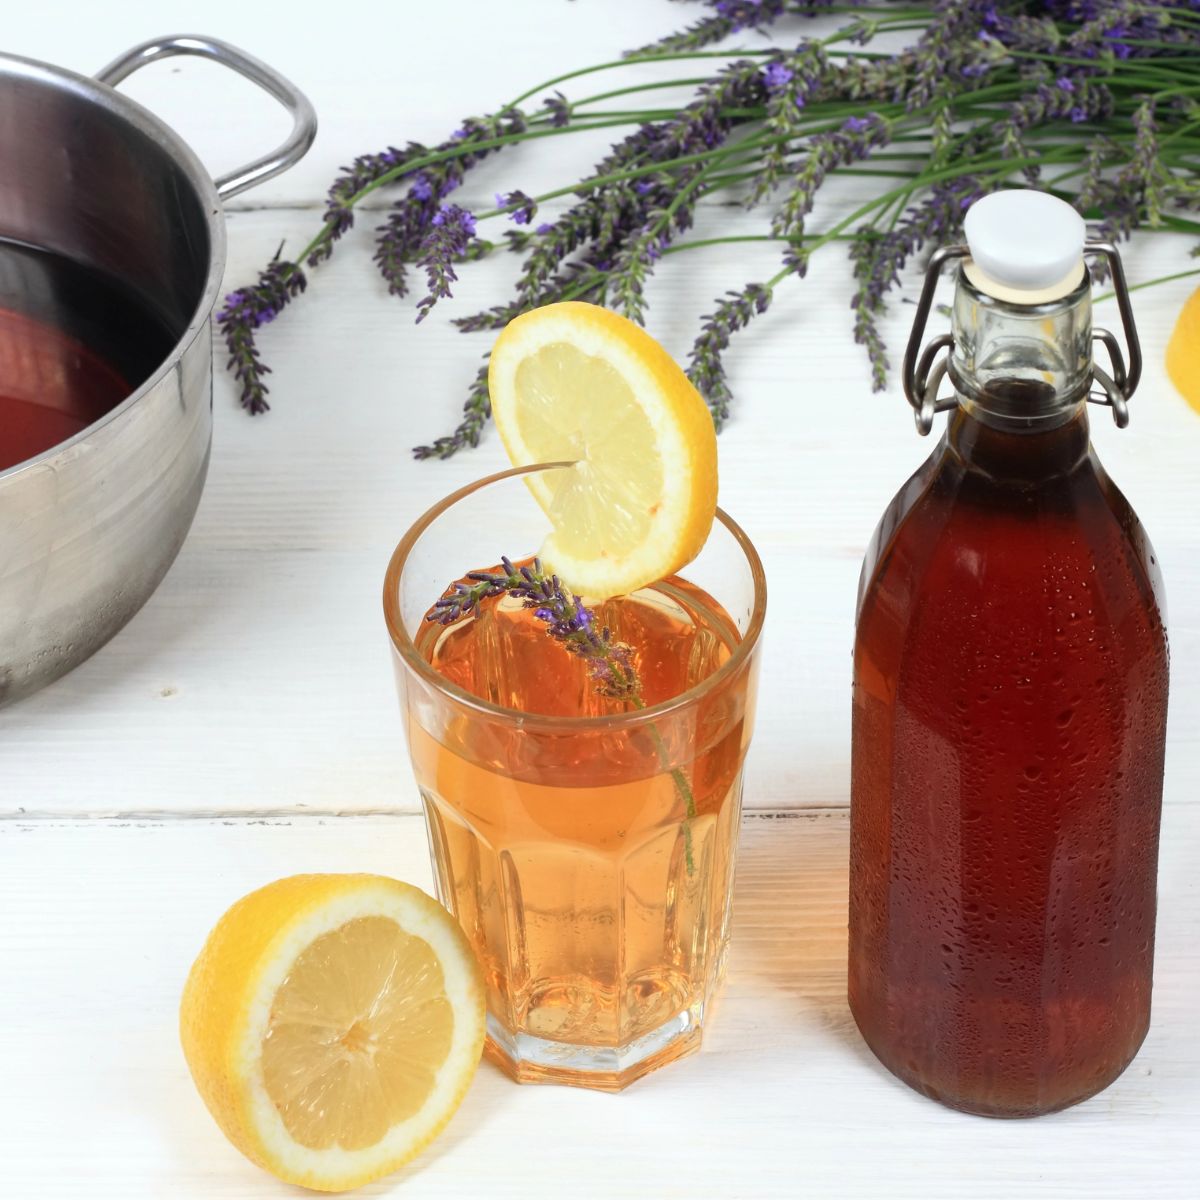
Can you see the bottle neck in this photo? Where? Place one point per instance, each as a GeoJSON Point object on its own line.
{"type": "Point", "coordinates": [1024, 455]}
{"type": "Point", "coordinates": [1021, 367]}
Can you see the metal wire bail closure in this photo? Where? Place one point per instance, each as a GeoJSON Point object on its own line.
{"type": "Point", "coordinates": [1117, 388]}
{"type": "Point", "coordinates": [923, 370]}
{"type": "Point", "coordinates": [921, 374]}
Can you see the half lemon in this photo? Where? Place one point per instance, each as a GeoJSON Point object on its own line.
{"type": "Point", "coordinates": [576, 383]}
{"type": "Point", "coordinates": [332, 1024]}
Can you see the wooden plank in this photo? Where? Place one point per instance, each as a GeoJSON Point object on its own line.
{"type": "Point", "coordinates": [104, 918]}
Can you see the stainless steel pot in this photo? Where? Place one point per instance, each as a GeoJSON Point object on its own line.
{"type": "Point", "coordinates": [88, 528]}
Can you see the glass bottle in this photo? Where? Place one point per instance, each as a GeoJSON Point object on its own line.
{"type": "Point", "coordinates": [1010, 700]}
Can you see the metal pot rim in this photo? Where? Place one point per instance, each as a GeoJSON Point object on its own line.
{"type": "Point", "coordinates": [91, 91]}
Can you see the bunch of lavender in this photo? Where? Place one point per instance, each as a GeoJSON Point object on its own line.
{"type": "Point", "coordinates": [1096, 101]}
{"type": "Point", "coordinates": [574, 626]}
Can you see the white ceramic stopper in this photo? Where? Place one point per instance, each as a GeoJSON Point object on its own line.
{"type": "Point", "coordinates": [1025, 245]}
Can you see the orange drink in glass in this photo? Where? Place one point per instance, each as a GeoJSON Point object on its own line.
{"type": "Point", "coordinates": [586, 843]}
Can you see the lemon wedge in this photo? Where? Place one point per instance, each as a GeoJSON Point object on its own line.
{"type": "Point", "coordinates": [332, 1024]}
{"type": "Point", "coordinates": [1183, 351]}
{"type": "Point", "coordinates": [573, 382]}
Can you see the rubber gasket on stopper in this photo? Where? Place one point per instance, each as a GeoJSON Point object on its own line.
{"type": "Point", "coordinates": [1026, 246]}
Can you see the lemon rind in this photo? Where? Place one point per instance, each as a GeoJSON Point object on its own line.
{"type": "Point", "coordinates": [262, 1134]}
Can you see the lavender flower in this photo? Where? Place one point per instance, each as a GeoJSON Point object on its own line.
{"type": "Point", "coordinates": [477, 408]}
{"type": "Point", "coordinates": [878, 259]}
{"type": "Point", "coordinates": [826, 152]}
{"type": "Point", "coordinates": [1085, 100]}
{"type": "Point", "coordinates": [635, 259]}
{"type": "Point", "coordinates": [777, 76]}
{"type": "Point", "coordinates": [366, 169]}
{"type": "Point", "coordinates": [1117, 198]}
{"type": "Point", "coordinates": [791, 81]}
{"type": "Point", "coordinates": [1107, 29]}
{"type": "Point", "coordinates": [952, 48]}
{"type": "Point", "coordinates": [734, 311]}
{"type": "Point", "coordinates": [523, 207]}
{"type": "Point", "coordinates": [449, 237]}
{"type": "Point", "coordinates": [567, 620]}
{"type": "Point", "coordinates": [559, 109]}
{"type": "Point", "coordinates": [400, 240]}
{"type": "Point", "coordinates": [1145, 170]}
{"type": "Point", "coordinates": [247, 310]}
{"type": "Point", "coordinates": [703, 124]}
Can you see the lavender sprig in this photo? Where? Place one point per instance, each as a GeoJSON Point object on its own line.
{"type": "Point", "coordinates": [520, 207]}
{"type": "Point", "coordinates": [567, 620]}
{"type": "Point", "coordinates": [366, 169]}
{"type": "Point", "coordinates": [879, 258]}
{"type": "Point", "coordinates": [400, 240]}
{"type": "Point", "coordinates": [477, 408]}
{"type": "Point", "coordinates": [790, 80]}
{"type": "Point", "coordinates": [734, 311]}
{"type": "Point", "coordinates": [855, 140]}
{"type": "Point", "coordinates": [574, 626]}
{"type": "Point", "coordinates": [446, 242]}
{"type": "Point", "coordinates": [247, 310]}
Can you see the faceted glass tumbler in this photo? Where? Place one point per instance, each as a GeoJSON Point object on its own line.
{"type": "Point", "coordinates": [589, 859]}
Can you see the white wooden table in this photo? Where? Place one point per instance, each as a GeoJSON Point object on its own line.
{"type": "Point", "coordinates": [244, 727]}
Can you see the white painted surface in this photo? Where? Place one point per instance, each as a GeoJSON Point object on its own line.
{"type": "Point", "coordinates": [257, 680]}
{"type": "Point", "coordinates": [783, 1100]}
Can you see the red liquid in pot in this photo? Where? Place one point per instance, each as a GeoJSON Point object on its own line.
{"type": "Point", "coordinates": [74, 343]}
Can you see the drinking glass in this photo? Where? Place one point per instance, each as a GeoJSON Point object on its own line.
{"type": "Point", "coordinates": [590, 859]}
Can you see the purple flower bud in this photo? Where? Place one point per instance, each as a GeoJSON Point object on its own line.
{"type": "Point", "coordinates": [777, 76]}
{"type": "Point", "coordinates": [523, 206]}
{"type": "Point", "coordinates": [1064, 84]}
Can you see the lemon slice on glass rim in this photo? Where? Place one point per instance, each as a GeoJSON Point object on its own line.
{"type": "Point", "coordinates": [573, 382]}
{"type": "Point", "coordinates": [332, 1024]}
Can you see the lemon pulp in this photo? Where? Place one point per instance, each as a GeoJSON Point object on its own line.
{"type": "Point", "coordinates": [357, 1033]}
{"type": "Point", "coordinates": [576, 407]}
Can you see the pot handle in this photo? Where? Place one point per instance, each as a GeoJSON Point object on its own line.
{"type": "Point", "coordinates": [304, 119]}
